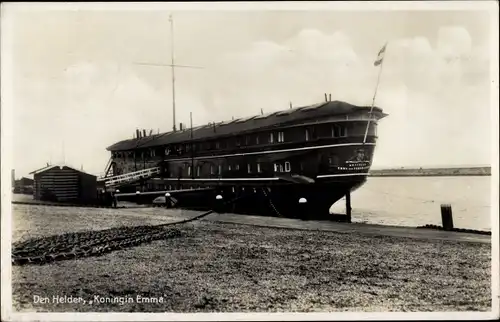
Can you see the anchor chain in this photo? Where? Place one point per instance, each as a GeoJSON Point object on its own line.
{"type": "Point", "coordinates": [271, 203]}
{"type": "Point", "coordinates": [93, 243]}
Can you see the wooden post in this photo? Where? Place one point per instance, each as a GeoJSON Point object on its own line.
{"type": "Point", "coordinates": [303, 209]}
{"type": "Point", "coordinates": [446, 217]}
{"type": "Point", "coordinates": [348, 206]}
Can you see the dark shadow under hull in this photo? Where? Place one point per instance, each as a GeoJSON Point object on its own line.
{"type": "Point", "coordinates": [275, 200]}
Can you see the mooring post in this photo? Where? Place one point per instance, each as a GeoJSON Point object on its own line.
{"type": "Point", "coordinates": [138, 196]}
{"type": "Point", "coordinates": [303, 208]}
{"type": "Point", "coordinates": [446, 217]}
{"type": "Point", "coordinates": [219, 204]}
{"type": "Point", "coordinates": [348, 206]}
{"type": "Point", "coordinates": [167, 200]}
{"type": "Point", "coordinates": [115, 198]}
{"type": "Point", "coordinates": [235, 194]}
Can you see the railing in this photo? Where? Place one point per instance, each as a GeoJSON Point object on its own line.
{"type": "Point", "coordinates": [131, 176]}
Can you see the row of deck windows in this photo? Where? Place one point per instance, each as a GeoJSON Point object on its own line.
{"type": "Point", "coordinates": [278, 167]}
{"type": "Point", "coordinates": [337, 131]}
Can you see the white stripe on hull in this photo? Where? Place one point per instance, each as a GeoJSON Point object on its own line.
{"type": "Point", "coordinates": [261, 179]}
{"type": "Point", "coordinates": [271, 151]}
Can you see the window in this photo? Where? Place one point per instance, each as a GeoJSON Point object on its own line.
{"type": "Point", "coordinates": [238, 143]}
{"type": "Point", "coordinates": [249, 168]}
{"type": "Point", "coordinates": [281, 137]}
{"type": "Point", "coordinates": [220, 169]}
{"type": "Point", "coordinates": [229, 167]}
{"type": "Point", "coordinates": [217, 145]}
{"type": "Point", "coordinates": [247, 140]}
{"type": "Point", "coordinates": [257, 139]}
{"type": "Point", "coordinates": [237, 167]}
{"type": "Point", "coordinates": [198, 169]}
{"type": "Point", "coordinates": [271, 137]}
{"type": "Point", "coordinates": [278, 167]}
{"type": "Point", "coordinates": [307, 134]}
{"type": "Point", "coordinates": [211, 169]}
{"type": "Point", "coordinates": [338, 131]}
{"type": "Point", "coordinates": [189, 170]}
{"type": "Point", "coordinates": [259, 170]}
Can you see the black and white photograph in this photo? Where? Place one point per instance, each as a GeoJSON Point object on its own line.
{"type": "Point", "coordinates": [249, 160]}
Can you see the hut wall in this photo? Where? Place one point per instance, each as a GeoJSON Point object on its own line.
{"type": "Point", "coordinates": [56, 184]}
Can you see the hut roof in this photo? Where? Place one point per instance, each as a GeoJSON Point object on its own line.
{"type": "Point", "coordinates": [49, 167]}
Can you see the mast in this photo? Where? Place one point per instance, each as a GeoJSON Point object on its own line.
{"type": "Point", "coordinates": [172, 65]}
{"type": "Point", "coordinates": [192, 145]}
{"type": "Point", "coordinates": [173, 68]}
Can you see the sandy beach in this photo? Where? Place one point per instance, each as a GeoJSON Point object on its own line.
{"type": "Point", "coordinates": [229, 267]}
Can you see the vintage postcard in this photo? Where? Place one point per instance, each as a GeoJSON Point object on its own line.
{"type": "Point", "coordinates": [249, 161]}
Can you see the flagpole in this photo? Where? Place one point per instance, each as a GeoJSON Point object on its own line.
{"type": "Point", "coordinates": [374, 96]}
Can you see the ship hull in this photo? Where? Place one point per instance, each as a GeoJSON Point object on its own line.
{"type": "Point", "coordinates": [277, 200]}
{"type": "Point", "coordinates": [261, 165]}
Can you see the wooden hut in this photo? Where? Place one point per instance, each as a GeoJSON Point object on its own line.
{"type": "Point", "coordinates": [64, 184]}
{"type": "Point", "coordinates": [23, 185]}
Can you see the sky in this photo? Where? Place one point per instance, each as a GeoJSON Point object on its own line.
{"type": "Point", "coordinates": [78, 85]}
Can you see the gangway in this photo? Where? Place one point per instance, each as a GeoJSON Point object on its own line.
{"type": "Point", "coordinates": [130, 177]}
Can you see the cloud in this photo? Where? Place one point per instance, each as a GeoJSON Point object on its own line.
{"type": "Point", "coordinates": [426, 89]}
{"type": "Point", "coordinates": [92, 106]}
{"type": "Point", "coordinates": [454, 42]}
{"type": "Point", "coordinates": [437, 96]}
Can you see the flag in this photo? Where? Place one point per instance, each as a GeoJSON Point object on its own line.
{"type": "Point", "coordinates": [380, 56]}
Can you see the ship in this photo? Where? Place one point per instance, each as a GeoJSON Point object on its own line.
{"type": "Point", "coordinates": [263, 164]}
{"type": "Point", "coordinates": [318, 153]}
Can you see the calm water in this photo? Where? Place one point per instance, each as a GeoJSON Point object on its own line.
{"type": "Point", "coordinates": [415, 201]}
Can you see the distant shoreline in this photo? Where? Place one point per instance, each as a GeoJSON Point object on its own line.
{"type": "Point", "coordinates": [432, 172]}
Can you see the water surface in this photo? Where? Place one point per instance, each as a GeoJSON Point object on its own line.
{"type": "Point", "coordinates": [415, 201]}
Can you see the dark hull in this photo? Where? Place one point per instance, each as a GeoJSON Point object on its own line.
{"type": "Point", "coordinates": [320, 154]}
{"type": "Point", "coordinates": [279, 200]}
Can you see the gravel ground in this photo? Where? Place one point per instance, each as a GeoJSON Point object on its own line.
{"type": "Point", "coordinates": [31, 221]}
{"type": "Point", "coordinates": [236, 268]}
